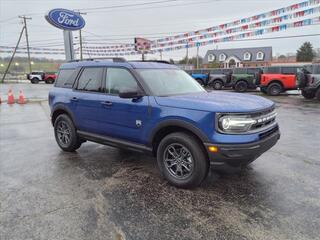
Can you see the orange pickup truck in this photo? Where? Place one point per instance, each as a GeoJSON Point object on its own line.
{"type": "Point", "coordinates": [276, 80]}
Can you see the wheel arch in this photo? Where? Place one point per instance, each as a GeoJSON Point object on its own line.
{"type": "Point", "coordinates": [275, 81]}
{"type": "Point", "coordinates": [170, 126]}
{"type": "Point", "coordinates": [58, 110]}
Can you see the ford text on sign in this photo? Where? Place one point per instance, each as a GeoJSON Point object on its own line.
{"type": "Point", "coordinates": [65, 19]}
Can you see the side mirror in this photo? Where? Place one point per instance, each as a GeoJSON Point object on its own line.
{"type": "Point", "coordinates": [130, 93]}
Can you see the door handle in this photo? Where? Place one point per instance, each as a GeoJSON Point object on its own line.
{"type": "Point", "coordinates": [74, 99]}
{"type": "Point", "coordinates": [107, 103]}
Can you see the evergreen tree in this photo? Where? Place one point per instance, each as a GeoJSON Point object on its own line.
{"type": "Point", "coordinates": [305, 53]}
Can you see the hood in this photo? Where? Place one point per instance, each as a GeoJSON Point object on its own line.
{"type": "Point", "coordinates": [216, 102]}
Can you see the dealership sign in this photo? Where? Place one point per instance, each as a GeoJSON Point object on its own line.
{"type": "Point", "coordinates": [65, 19]}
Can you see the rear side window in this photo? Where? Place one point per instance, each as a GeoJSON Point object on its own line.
{"type": "Point", "coordinates": [90, 79]}
{"type": "Point", "coordinates": [272, 70]}
{"type": "Point", "coordinates": [289, 70]}
{"type": "Point", "coordinates": [216, 71]}
{"type": "Point", "coordinates": [240, 71]}
{"type": "Point", "coordinates": [65, 78]}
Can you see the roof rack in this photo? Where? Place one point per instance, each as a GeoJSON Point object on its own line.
{"type": "Point", "coordinates": [157, 61]}
{"type": "Point", "coordinates": [114, 59]}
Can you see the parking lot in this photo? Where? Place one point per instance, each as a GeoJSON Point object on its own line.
{"type": "Point", "coordinates": [101, 192]}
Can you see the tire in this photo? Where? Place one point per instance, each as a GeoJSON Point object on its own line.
{"type": "Point", "coordinates": [308, 95]}
{"type": "Point", "coordinates": [318, 94]}
{"type": "Point", "coordinates": [241, 86]}
{"type": "Point", "coordinates": [49, 81]}
{"type": "Point", "coordinates": [196, 160]}
{"type": "Point", "coordinates": [35, 80]}
{"type": "Point", "coordinates": [65, 134]}
{"type": "Point", "coordinates": [263, 90]}
{"type": "Point", "coordinates": [274, 89]}
{"type": "Point", "coordinates": [200, 81]}
{"type": "Point", "coordinates": [216, 84]}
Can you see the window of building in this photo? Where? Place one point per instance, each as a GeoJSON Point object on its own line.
{"type": "Point", "coordinates": [90, 79]}
{"type": "Point", "coordinates": [222, 57]}
{"type": "Point", "coordinates": [247, 56]}
{"type": "Point", "coordinates": [120, 79]}
{"type": "Point", "coordinates": [260, 56]}
{"type": "Point", "coordinates": [211, 58]}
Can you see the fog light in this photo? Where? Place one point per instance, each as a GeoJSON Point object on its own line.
{"type": "Point", "coordinates": [213, 149]}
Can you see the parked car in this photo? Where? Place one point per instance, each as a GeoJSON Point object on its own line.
{"type": "Point", "coordinates": [37, 76]}
{"type": "Point", "coordinates": [308, 80]}
{"type": "Point", "coordinates": [159, 109]}
{"type": "Point", "coordinates": [219, 78]}
{"type": "Point", "coordinates": [201, 75]}
{"type": "Point", "coordinates": [278, 79]}
{"type": "Point", "coordinates": [245, 78]}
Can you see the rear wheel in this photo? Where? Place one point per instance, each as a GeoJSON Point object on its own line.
{"type": "Point", "coordinates": [182, 160]}
{"type": "Point", "coordinates": [200, 81]}
{"type": "Point", "coordinates": [308, 95]}
{"type": "Point", "coordinates": [216, 84]}
{"type": "Point", "coordinates": [65, 134]}
{"type": "Point", "coordinates": [274, 89]}
{"type": "Point", "coordinates": [241, 86]}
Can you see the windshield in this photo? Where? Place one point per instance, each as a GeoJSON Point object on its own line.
{"type": "Point", "coordinates": [165, 82]}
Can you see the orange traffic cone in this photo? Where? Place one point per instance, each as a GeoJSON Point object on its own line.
{"type": "Point", "coordinates": [21, 99]}
{"type": "Point", "coordinates": [10, 97]}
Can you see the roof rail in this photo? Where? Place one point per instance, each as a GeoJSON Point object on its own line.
{"type": "Point", "coordinates": [114, 59]}
{"type": "Point", "coordinates": [157, 61]}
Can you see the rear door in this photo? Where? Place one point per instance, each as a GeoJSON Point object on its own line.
{"type": "Point", "coordinates": [123, 118]}
{"type": "Point", "coordinates": [86, 99]}
{"type": "Point", "coordinates": [288, 77]}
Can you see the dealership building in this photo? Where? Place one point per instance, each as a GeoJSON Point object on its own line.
{"type": "Point", "coordinates": [240, 57]}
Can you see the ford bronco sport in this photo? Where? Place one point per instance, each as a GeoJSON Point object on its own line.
{"type": "Point", "coordinates": [159, 109]}
{"type": "Point", "coordinates": [308, 80]}
{"type": "Point", "coordinates": [276, 80]}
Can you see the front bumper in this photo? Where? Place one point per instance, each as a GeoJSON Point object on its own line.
{"type": "Point", "coordinates": [241, 154]}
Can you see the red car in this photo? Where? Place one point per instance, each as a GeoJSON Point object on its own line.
{"type": "Point", "coordinates": [276, 80]}
{"type": "Point", "coordinates": [37, 76]}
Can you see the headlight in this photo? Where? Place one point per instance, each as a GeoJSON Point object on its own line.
{"type": "Point", "coordinates": [236, 123]}
{"type": "Point", "coordinates": [232, 123]}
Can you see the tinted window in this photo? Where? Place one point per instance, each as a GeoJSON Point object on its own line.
{"type": "Point", "coordinates": [197, 72]}
{"type": "Point", "coordinates": [253, 70]}
{"type": "Point", "coordinates": [289, 70]}
{"type": "Point", "coordinates": [65, 78]}
{"type": "Point", "coordinates": [272, 70]}
{"type": "Point", "coordinates": [316, 69]}
{"type": "Point", "coordinates": [216, 71]}
{"type": "Point", "coordinates": [119, 79]}
{"type": "Point", "coordinates": [240, 71]}
{"type": "Point", "coordinates": [90, 79]}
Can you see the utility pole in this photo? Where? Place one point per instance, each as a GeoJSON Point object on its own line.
{"type": "Point", "coordinates": [27, 39]}
{"type": "Point", "coordinates": [187, 56]}
{"type": "Point", "coordinates": [80, 35]}
{"type": "Point", "coordinates": [14, 52]}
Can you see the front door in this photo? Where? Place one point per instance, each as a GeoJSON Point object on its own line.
{"type": "Point", "coordinates": [123, 118]}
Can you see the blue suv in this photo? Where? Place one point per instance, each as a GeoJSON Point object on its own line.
{"type": "Point", "coordinates": [157, 108]}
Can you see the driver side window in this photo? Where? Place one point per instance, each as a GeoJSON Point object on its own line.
{"type": "Point", "coordinates": [118, 79]}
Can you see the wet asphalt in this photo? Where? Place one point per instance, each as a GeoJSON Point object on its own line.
{"type": "Point", "coordinates": [101, 192]}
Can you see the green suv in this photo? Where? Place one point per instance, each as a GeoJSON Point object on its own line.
{"type": "Point", "coordinates": [308, 80]}
{"type": "Point", "coordinates": [245, 78]}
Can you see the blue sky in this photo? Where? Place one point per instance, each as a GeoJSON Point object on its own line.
{"type": "Point", "coordinates": [122, 24]}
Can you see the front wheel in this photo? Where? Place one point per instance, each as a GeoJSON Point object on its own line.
{"type": "Point", "coordinates": [65, 134]}
{"type": "Point", "coordinates": [182, 160]}
{"type": "Point", "coordinates": [216, 85]}
{"type": "Point", "coordinates": [35, 80]}
{"type": "Point", "coordinates": [241, 86]}
{"type": "Point", "coordinates": [308, 95]}
{"type": "Point", "coordinates": [49, 81]}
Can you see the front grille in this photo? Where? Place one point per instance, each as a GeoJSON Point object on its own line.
{"type": "Point", "coordinates": [263, 119]}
